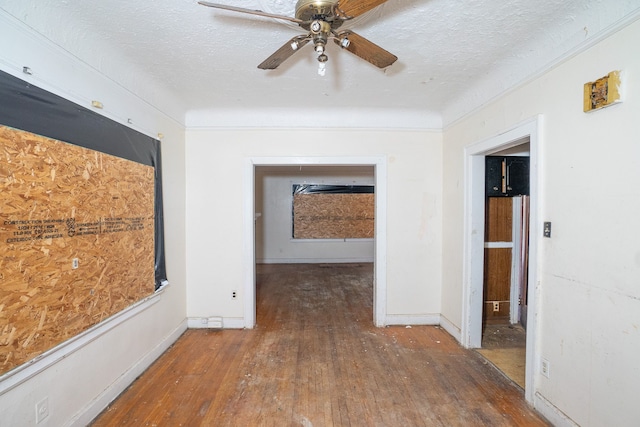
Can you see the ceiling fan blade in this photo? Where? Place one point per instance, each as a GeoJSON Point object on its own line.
{"type": "Point", "coordinates": [282, 54]}
{"type": "Point", "coordinates": [352, 8]}
{"type": "Point", "coordinates": [252, 12]}
{"type": "Point", "coordinates": [366, 50]}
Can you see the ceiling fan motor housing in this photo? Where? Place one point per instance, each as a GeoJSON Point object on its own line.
{"type": "Point", "coordinates": [312, 10]}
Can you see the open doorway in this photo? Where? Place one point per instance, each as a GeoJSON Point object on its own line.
{"type": "Point", "coordinates": [474, 240]}
{"type": "Point", "coordinates": [314, 214]}
{"type": "Point", "coordinates": [506, 254]}
{"type": "Point", "coordinates": [314, 233]}
{"type": "Point", "coordinates": [377, 165]}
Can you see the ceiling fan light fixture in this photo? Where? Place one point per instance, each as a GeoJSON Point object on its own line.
{"type": "Point", "coordinates": [321, 19]}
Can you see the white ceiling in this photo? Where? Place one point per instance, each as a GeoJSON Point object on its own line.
{"type": "Point", "coordinates": [453, 55]}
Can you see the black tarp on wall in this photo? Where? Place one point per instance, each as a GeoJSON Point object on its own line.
{"type": "Point", "coordinates": [29, 108]}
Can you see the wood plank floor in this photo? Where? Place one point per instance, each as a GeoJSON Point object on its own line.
{"type": "Point", "coordinates": [315, 359]}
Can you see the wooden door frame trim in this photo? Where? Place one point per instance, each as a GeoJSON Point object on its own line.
{"type": "Point", "coordinates": [380, 266]}
{"type": "Point", "coordinates": [473, 256]}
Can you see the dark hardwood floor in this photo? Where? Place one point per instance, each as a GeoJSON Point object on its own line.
{"type": "Point", "coordinates": [315, 359]}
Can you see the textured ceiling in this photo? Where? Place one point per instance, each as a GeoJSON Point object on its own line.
{"type": "Point", "coordinates": [453, 55]}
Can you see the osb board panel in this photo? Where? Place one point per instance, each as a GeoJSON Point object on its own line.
{"type": "Point", "coordinates": [499, 219]}
{"type": "Point", "coordinates": [60, 202]}
{"type": "Point", "coordinates": [333, 216]}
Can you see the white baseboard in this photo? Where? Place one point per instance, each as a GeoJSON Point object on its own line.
{"type": "Point", "coordinates": [452, 329]}
{"type": "Point", "coordinates": [554, 415]}
{"type": "Point", "coordinates": [233, 323]}
{"type": "Point", "coordinates": [204, 322]}
{"type": "Point", "coordinates": [314, 261]}
{"type": "Point", "coordinates": [418, 319]}
{"type": "Point", "coordinates": [215, 323]}
{"type": "Point", "coordinates": [102, 401]}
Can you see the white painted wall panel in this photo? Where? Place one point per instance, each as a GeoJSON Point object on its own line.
{"type": "Point", "coordinates": [214, 209]}
{"type": "Point", "coordinates": [589, 270]}
{"type": "Point", "coordinates": [80, 385]}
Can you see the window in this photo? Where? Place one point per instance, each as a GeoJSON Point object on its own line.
{"type": "Point", "coordinates": [333, 211]}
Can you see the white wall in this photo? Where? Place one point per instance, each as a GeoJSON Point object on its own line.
{"type": "Point", "coordinates": [80, 384]}
{"type": "Point", "coordinates": [215, 161]}
{"type": "Point", "coordinates": [274, 199]}
{"type": "Point", "coordinates": [589, 271]}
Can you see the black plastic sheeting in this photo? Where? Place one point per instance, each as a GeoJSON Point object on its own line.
{"type": "Point", "coordinates": [29, 108]}
{"type": "Point", "coordinates": [332, 189]}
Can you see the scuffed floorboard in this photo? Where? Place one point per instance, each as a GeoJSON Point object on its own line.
{"type": "Point", "coordinates": [315, 359]}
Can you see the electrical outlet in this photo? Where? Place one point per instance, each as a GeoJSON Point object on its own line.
{"type": "Point", "coordinates": [545, 368]}
{"type": "Point", "coordinates": [234, 295]}
{"type": "Point", "coordinates": [74, 263]}
{"type": "Point", "coordinates": [42, 410]}
{"type": "Point", "coordinates": [496, 306]}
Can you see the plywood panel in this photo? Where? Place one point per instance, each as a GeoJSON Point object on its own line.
{"type": "Point", "coordinates": [333, 216]}
{"type": "Point", "coordinates": [497, 282]}
{"type": "Point", "coordinates": [497, 317]}
{"type": "Point", "coordinates": [499, 219]}
{"type": "Point", "coordinates": [497, 271]}
{"type": "Point", "coordinates": [62, 202]}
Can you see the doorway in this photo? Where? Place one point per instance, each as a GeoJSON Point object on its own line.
{"type": "Point", "coordinates": [506, 252]}
{"type": "Point", "coordinates": [249, 235]}
{"type": "Point", "coordinates": [474, 239]}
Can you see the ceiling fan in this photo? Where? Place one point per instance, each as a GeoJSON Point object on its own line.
{"type": "Point", "coordinates": [322, 19]}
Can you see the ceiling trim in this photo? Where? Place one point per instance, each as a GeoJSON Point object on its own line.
{"type": "Point", "coordinates": [308, 118]}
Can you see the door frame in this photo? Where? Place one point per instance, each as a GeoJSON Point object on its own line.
{"type": "Point", "coordinates": [474, 222]}
{"type": "Point", "coordinates": [516, 254]}
{"type": "Point", "coordinates": [380, 246]}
